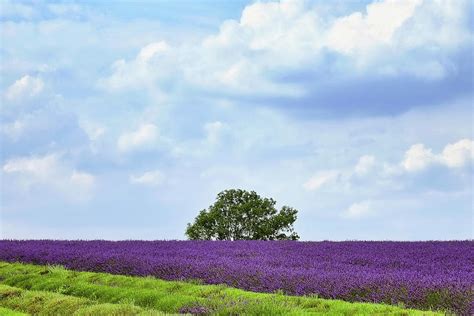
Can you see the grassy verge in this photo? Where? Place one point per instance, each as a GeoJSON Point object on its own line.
{"type": "Point", "coordinates": [10, 312]}
{"type": "Point", "coordinates": [88, 293]}
{"type": "Point", "coordinates": [16, 301]}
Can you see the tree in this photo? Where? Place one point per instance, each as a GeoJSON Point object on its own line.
{"type": "Point", "coordinates": [240, 214]}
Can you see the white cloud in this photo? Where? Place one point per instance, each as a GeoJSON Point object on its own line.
{"type": "Point", "coordinates": [361, 32]}
{"type": "Point", "coordinates": [373, 178]}
{"type": "Point", "coordinates": [82, 179]}
{"type": "Point", "coordinates": [24, 87]}
{"type": "Point", "coordinates": [154, 64]}
{"type": "Point", "coordinates": [418, 157]}
{"type": "Point", "coordinates": [146, 136]}
{"type": "Point", "coordinates": [49, 171]}
{"type": "Point", "coordinates": [455, 155]}
{"type": "Point", "coordinates": [274, 38]}
{"type": "Point", "coordinates": [151, 50]}
{"type": "Point", "coordinates": [151, 178]}
{"type": "Point", "coordinates": [434, 24]}
{"type": "Point", "coordinates": [358, 210]}
{"type": "Point", "coordinates": [458, 154]}
{"type": "Point", "coordinates": [385, 37]}
{"type": "Point", "coordinates": [269, 37]}
{"type": "Point", "coordinates": [13, 130]}
{"type": "Point", "coordinates": [320, 179]}
{"type": "Point", "coordinates": [41, 167]}
{"type": "Point", "coordinates": [364, 165]}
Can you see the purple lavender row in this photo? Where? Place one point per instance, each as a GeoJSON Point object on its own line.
{"type": "Point", "coordinates": [423, 275]}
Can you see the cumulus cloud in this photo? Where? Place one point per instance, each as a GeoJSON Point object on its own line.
{"type": "Point", "coordinates": [413, 172]}
{"type": "Point", "coordinates": [14, 129]}
{"type": "Point", "coordinates": [150, 178]}
{"type": "Point", "coordinates": [144, 137]}
{"type": "Point", "coordinates": [153, 66]}
{"type": "Point", "coordinates": [360, 32]}
{"type": "Point", "coordinates": [418, 157]}
{"type": "Point", "coordinates": [25, 87]}
{"type": "Point", "coordinates": [364, 165]}
{"type": "Point", "coordinates": [37, 166]}
{"type": "Point", "coordinates": [435, 22]}
{"type": "Point", "coordinates": [82, 179]}
{"type": "Point", "coordinates": [358, 210]}
{"type": "Point", "coordinates": [249, 56]}
{"type": "Point", "coordinates": [455, 155]}
{"type": "Point", "coordinates": [458, 154]}
{"type": "Point", "coordinates": [320, 179]}
{"type": "Point", "coordinates": [151, 50]}
{"type": "Point", "coordinates": [384, 38]}
{"type": "Point", "coordinates": [52, 172]}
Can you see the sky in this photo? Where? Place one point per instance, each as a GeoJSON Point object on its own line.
{"type": "Point", "coordinates": [123, 121]}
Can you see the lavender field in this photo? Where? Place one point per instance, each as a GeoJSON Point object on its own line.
{"type": "Point", "coordinates": [423, 275]}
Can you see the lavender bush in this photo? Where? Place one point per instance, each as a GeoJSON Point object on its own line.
{"type": "Point", "coordinates": [424, 275]}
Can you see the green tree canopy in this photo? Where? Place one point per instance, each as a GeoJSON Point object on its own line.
{"type": "Point", "coordinates": [243, 215]}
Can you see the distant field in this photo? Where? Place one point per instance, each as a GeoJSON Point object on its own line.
{"type": "Point", "coordinates": [420, 275]}
{"type": "Point", "coordinates": [56, 291]}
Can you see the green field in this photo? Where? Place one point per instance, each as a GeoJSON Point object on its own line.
{"type": "Point", "coordinates": [46, 290]}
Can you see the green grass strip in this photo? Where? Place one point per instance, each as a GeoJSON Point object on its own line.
{"type": "Point", "coordinates": [17, 301]}
{"type": "Point", "coordinates": [10, 312]}
{"type": "Point", "coordinates": [174, 296]}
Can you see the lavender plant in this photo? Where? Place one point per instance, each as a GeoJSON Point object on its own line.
{"type": "Point", "coordinates": [424, 275]}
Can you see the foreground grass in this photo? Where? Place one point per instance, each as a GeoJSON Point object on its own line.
{"type": "Point", "coordinates": [57, 291]}
{"type": "Point", "coordinates": [9, 312]}
{"type": "Point", "coordinates": [51, 303]}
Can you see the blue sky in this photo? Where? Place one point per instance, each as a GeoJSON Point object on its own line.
{"type": "Point", "coordinates": [123, 121]}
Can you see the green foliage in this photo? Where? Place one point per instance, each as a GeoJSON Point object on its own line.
{"type": "Point", "coordinates": [27, 288]}
{"type": "Point", "coordinates": [243, 215]}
